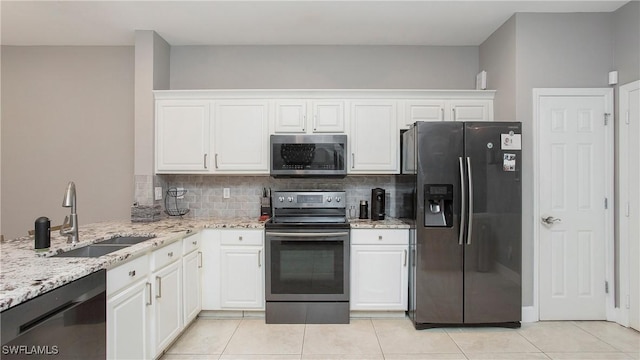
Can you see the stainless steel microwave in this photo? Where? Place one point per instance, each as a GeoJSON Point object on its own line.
{"type": "Point", "coordinates": [308, 155]}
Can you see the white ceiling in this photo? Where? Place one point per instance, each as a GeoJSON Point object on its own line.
{"type": "Point", "coordinates": [294, 22]}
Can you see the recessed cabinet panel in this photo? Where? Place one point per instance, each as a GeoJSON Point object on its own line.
{"type": "Point", "coordinates": [182, 135]}
{"type": "Point", "coordinates": [328, 116]}
{"type": "Point", "coordinates": [374, 138]}
{"type": "Point", "coordinates": [241, 136]}
{"type": "Point", "coordinates": [424, 110]}
{"type": "Point", "coordinates": [291, 116]}
{"type": "Point", "coordinates": [471, 110]}
{"type": "Point", "coordinates": [379, 277]}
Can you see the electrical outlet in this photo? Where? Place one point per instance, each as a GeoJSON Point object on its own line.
{"type": "Point", "coordinates": [226, 193]}
{"type": "Point", "coordinates": [180, 192]}
{"type": "Point", "coordinates": [158, 193]}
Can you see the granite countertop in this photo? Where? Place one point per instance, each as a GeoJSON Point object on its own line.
{"type": "Point", "coordinates": [387, 223]}
{"type": "Point", "coordinates": [25, 274]}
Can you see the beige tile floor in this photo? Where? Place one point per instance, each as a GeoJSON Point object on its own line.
{"type": "Point", "coordinates": [397, 339]}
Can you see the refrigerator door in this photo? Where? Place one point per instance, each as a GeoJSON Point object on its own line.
{"type": "Point", "coordinates": [438, 282]}
{"type": "Point", "coordinates": [492, 259]}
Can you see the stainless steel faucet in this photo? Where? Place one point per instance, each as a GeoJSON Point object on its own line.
{"type": "Point", "coordinates": [70, 201]}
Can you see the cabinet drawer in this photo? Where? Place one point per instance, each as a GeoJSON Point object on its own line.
{"type": "Point", "coordinates": [166, 255]}
{"type": "Point", "coordinates": [190, 243]}
{"type": "Point", "coordinates": [241, 237]}
{"type": "Point", "coordinates": [380, 236]}
{"type": "Point", "coordinates": [126, 274]}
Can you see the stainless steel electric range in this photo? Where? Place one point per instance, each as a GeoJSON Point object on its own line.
{"type": "Point", "coordinates": [307, 256]}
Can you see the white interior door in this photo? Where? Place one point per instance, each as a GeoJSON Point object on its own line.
{"type": "Point", "coordinates": [629, 204]}
{"type": "Point", "coordinates": [572, 220]}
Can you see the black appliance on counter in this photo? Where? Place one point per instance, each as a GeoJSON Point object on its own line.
{"type": "Point", "coordinates": [307, 258]}
{"type": "Point", "coordinates": [69, 322]}
{"type": "Point", "coordinates": [377, 204]}
{"type": "Point", "coordinates": [308, 155]}
{"type": "Point", "coordinates": [465, 266]}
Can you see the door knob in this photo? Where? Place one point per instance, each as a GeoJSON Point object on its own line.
{"type": "Point", "coordinates": [549, 220]}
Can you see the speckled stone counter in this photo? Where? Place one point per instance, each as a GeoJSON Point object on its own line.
{"type": "Point", "coordinates": [387, 223]}
{"type": "Point", "coordinates": [25, 274]}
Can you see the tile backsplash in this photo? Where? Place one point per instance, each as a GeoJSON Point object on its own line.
{"type": "Point", "coordinates": [204, 196]}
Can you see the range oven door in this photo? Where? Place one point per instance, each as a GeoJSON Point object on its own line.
{"type": "Point", "coordinates": [308, 265]}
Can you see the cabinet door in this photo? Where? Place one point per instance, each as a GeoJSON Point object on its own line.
{"type": "Point", "coordinates": [423, 110]}
{"type": "Point", "coordinates": [242, 277]}
{"type": "Point", "coordinates": [328, 117]}
{"type": "Point", "coordinates": [241, 136]}
{"type": "Point", "coordinates": [379, 277]}
{"type": "Point", "coordinates": [182, 136]}
{"type": "Point", "coordinates": [373, 140]}
{"type": "Point", "coordinates": [210, 284]}
{"type": "Point", "coordinates": [167, 292]}
{"type": "Point", "coordinates": [291, 116]}
{"type": "Point", "coordinates": [127, 323]}
{"type": "Point", "coordinates": [192, 297]}
{"type": "Point", "coordinates": [471, 110]}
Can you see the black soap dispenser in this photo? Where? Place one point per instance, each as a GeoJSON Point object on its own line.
{"type": "Point", "coordinates": [42, 234]}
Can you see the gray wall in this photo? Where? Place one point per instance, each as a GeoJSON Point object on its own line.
{"type": "Point", "coordinates": [498, 59]}
{"type": "Point", "coordinates": [323, 67]}
{"type": "Point", "coordinates": [67, 114]}
{"type": "Point", "coordinates": [626, 42]}
{"type": "Point", "coordinates": [550, 50]}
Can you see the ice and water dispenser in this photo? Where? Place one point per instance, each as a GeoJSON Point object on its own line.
{"type": "Point", "coordinates": [438, 205]}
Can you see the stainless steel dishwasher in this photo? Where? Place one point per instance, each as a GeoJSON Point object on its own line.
{"type": "Point", "coordinates": [66, 323]}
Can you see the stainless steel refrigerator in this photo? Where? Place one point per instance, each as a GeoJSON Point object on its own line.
{"type": "Point", "coordinates": [465, 263]}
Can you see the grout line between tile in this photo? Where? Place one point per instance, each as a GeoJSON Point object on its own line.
{"type": "Point", "coordinates": [375, 331]}
{"type": "Point", "coordinates": [231, 337]}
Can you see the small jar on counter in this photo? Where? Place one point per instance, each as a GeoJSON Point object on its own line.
{"type": "Point", "coordinates": [364, 209]}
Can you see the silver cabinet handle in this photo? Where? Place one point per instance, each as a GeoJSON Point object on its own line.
{"type": "Point", "coordinates": [199, 259]}
{"type": "Point", "coordinates": [315, 122]}
{"type": "Point", "coordinates": [195, 242]}
{"type": "Point", "coordinates": [259, 256]}
{"type": "Point", "coordinates": [441, 114]}
{"type": "Point", "coordinates": [470, 178]}
{"type": "Point", "coordinates": [304, 123]}
{"type": "Point", "coordinates": [405, 257]}
{"type": "Point", "coordinates": [216, 160]}
{"type": "Point", "coordinates": [453, 110]}
{"type": "Point", "coordinates": [170, 254]}
{"type": "Point", "coordinates": [463, 203]}
{"type": "Point", "coordinates": [205, 161]}
{"type": "Point", "coordinates": [132, 273]}
{"type": "Point", "coordinates": [159, 286]}
{"type": "Point", "coordinates": [353, 160]}
{"type": "Point", "coordinates": [550, 220]}
{"type": "Point", "coordinates": [149, 298]}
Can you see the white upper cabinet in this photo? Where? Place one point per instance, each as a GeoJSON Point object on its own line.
{"type": "Point", "coordinates": [423, 110]}
{"type": "Point", "coordinates": [471, 110]}
{"type": "Point", "coordinates": [227, 131]}
{"type": "Point", "coordinates": [309, 116]}
{"type": "Point", "coordinates": [182, 136]}
{"type": "Point", "coordinates": [241, 136]}
{"type": "Point", "coordinates": [472, 105]}
{"type": "Point", "coordinates": [373, 139]}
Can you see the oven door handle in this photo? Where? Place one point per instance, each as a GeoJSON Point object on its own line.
{"type": "Point", "coordinates": [307, 235]}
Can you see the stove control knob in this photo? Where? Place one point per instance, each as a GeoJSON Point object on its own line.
{"type": "Point", "coordinates": [328, 198]}
{"type": "Point", "coordinates": [290, 199]}
{"type": "Point", "coordinates": [281, 198]}
{"type": "Point", "coordinates": [338, 199]}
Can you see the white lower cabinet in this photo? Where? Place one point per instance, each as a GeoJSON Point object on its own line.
{"type": "Point", "coordinates": [128, 310]}
{"type": "Point", "coordinates": [191, 279]}
{"type": "Point", "coordinates": [233, 269]}
{"type": "Point", "coordinates": [167, 307]}
{"type": "Point", "coordinates": [379, 269]}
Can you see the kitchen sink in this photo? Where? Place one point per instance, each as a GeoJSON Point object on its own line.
{"type": "Point", "coordinates": [125, 240]}
{"type": "Point", "coordinates": [94, 250]}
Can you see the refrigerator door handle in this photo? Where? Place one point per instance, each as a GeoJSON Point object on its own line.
{"type": "Point", "coordinates": [470, 182]}
{"type": "Point", "coordinates": [463, 203]}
